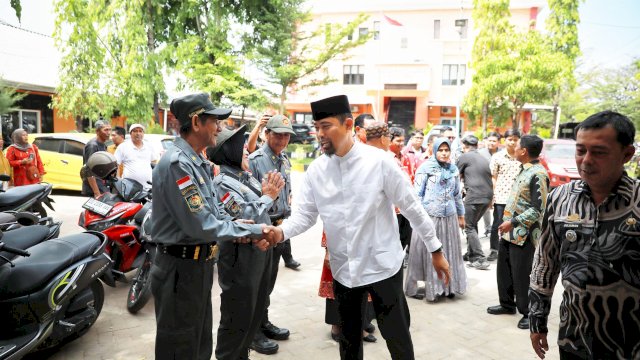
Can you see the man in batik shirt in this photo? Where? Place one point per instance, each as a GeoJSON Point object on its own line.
{"type": "Point", "coordinates": [591, 234]}
{"type": "Point", "coordinates": [521, 230]}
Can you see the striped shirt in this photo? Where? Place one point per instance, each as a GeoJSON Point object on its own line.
{"type": "Point", "coordinates": [597, 250]}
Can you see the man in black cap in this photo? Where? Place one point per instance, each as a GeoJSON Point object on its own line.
{"type": "Point", "coordinates": [271, 157]}
{"type": "Point", "coordinates": [354, 188]}
{"type": "Point", "coordinates": [187, 222]}
{"type": "Point", "coordinates": [478, 186]}
{"type": "Point", "coordinates": [244, 270]}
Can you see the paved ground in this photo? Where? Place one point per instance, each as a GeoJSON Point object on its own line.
{"type": "Point", "coordinates": [449, 329]}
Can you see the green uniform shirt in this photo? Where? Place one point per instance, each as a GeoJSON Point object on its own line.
{"type": "Point", "coordinates": [185, 208]}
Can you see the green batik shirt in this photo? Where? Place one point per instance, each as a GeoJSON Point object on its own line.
{"type": "Point", "coordinates": [526, 204]}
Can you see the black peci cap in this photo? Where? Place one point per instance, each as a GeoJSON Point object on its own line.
{"type": "Point", "coordinates": [331, 106]}
{"type": "Point", "coordinates": [195, 104]}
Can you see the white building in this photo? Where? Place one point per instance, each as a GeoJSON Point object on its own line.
{"type": "Point", "coordinates": [415, 68]}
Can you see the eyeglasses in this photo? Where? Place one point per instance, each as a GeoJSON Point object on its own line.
{"type": "Point", "coordinates": [451, 137]}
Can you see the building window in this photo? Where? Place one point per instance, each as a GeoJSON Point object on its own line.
{"type": "Point", "coordinates": [304, 118]}
{"type": "Point", "coordinates": [363, 32]}
{"type": "Point", "coordinates": [453, 74]}
{"type": "Point", "coordinates": [462, 27]}
{"type": "Point", "coordinates": [350, 36]}
{"type": "Point", "coordinates": [353, 74]}
{"type": "Point", "coordinates": [436, 29]}
{"type": "Point", "coordinates": [376, 30]}
{"type": "Point", "coordinates": [404, 42]}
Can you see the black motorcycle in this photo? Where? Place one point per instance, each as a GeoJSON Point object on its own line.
{"type": "Point", "coordinates": [51, 294]}
{"type": "Point", "coordinates": [13, 220]}
{"type": "Point", "coordinates": [26, 198]}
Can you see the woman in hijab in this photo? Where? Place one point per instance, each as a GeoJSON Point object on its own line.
{"type": "Point", "coordinates": [437, 183]}
{"type": "Point", "coordinates": [243, 269]}
{"type": "Point", "coordinates": [24, 159]}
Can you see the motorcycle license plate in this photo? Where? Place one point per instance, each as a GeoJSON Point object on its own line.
{"type": "Point", "coordinates": [97, 206]}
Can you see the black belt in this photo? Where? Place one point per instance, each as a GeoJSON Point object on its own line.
{"type": "Point", "coordinates": [192, 252]}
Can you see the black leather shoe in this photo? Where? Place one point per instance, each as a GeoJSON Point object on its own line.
{"type": "Point", "coordinates": [263, 345]}
{"type": "Point", "coordinates": [370, 328]}
{"type": "Point", "coordinates": [524, 323]}
{"type": "Point", "coordinates": [273, 332]}
{"type": "Point", "coordinates": [500, 310]}
{"type": "Point", "coordinates": [292, 264]}
{"type": "Point", "coordinates": [369, 338]}
{"type": "Point", "coordinates": [493, 256]}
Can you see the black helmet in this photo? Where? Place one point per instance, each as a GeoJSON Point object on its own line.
{"type": "Point", "coordinates": [102, 164]}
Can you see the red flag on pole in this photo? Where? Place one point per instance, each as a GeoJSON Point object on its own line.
{"type": "Point", "coordinates": [391, 21]}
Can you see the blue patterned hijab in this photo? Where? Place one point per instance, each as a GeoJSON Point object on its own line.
{"type": "Point", "coordinates": [433, 166]}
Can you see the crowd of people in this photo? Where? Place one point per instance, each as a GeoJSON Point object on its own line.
{"type": "Point", "coordinates": [385, 207]}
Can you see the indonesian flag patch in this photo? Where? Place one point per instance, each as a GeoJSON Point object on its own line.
{"type": "Point", "coordinates": [184, 182]}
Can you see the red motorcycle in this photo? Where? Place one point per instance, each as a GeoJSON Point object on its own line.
{"type": "Point", "coordinates": [124, 216]}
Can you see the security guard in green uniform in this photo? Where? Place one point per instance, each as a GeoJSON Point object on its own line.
{"type": "Point", "coordinates": [187, 223]}
{"type": "Point", "coordinates": [271, 157]}
{"type": "Point", "coordinates": [244, 272]}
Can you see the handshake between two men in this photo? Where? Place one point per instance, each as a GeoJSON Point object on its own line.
{"type": "Point", "coordinates": [272, 235]}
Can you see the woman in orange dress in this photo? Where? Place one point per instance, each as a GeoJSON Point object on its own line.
{"type": "Point", "coordinates": [24, 159]}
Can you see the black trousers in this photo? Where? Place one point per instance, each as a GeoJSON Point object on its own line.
{"type": "Point", "coordinates": [472, 215]}
{"type": "Point", "coordinates": [244, 275]}
{"type": "Point", "coordinates": [404, 227]}
{"type": "Point", "coordinates": [392, 315]}
{"type": "Point", "coordinates": [498, 212]}
{"type": "Point", "coordinates": [286, 251]}
{"type": "Point", "coordinates": [513, 270]}
{"type": "Point", "coordinates": [182, 294]}
{"type": "Point", "coordinates": [277, 254]}
{"type": "Point", "coordinates": [332, 316]}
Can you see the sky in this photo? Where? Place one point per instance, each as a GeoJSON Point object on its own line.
{"type": "Point", "coordinates": [609, 36]}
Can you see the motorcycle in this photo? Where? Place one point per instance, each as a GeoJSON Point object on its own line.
{"type": "Point", "coordinates": [51, 294]}
{"type": "Point", "coordinates": [12, 220]}
{"type": "Point", "coordinates": [25, 237]}
{"type": "Point", "coordinates": [124, 216]}
{"type": "Point", "coordinates": [26, 198]}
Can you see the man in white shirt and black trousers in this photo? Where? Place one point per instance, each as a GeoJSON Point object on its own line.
{"type": "Point", "coordinates": [353, 187]}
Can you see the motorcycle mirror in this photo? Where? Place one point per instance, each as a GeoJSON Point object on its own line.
{"type": "Point", "coordinates": [4, 177]}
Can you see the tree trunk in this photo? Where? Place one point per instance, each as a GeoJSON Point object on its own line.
{"type": "Point", "coordinates": [283, 96]}
{"type": "Point", "coordinates": [485, 116]}
{"type": "Point", "coordinates": [151, 45]}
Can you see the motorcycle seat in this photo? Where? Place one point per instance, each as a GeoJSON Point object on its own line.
{"type": "Point", "coordinates": [47, 260]}
{"type": "Point", "coordinates": [24, 237]}
{"type": "Point", "coordinates": [19, 195]}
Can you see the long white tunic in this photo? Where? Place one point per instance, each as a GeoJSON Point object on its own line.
{"type": "Point", "coordinates": [355, 196]}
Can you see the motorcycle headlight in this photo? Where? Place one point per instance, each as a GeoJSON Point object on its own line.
{"type": "Point", "coordinates": [104, 224]}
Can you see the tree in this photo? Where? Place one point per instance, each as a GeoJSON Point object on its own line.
{"type": "Point", "coordinates": [8, 97]}
{"type": "Point", "coordinates": [293, 56]}
{"type": "Point", "coordinates": [491, 18]}
{"type": "Point", "coordinates": [109, 62]}
{"type": "Point", "coordinates": [562, 26]}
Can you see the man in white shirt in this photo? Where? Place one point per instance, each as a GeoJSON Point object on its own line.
{"type": "Point", "coordinates": [353, 187]}
{"type": "Point", "coordinates": [136, 156]}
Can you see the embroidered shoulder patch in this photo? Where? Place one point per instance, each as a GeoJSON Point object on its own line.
{"type": "Point", "coordinates": [231, 205]}
{"type": "Point", "coordinates": [190, 194]}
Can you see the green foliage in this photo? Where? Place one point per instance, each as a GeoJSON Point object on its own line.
{"type": "Point", "coordinates": [154, 128]}
{"type": "Point", "coordinates": [293, 56]}
{"type": "Point", "coordinates": [427, 128]}
{"type": "Point", "coordinates": [109, 62]}
{"type": "Point", "coordinates": [8, 97]}
{"type": "Point", "coordinates": [17, 7]}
